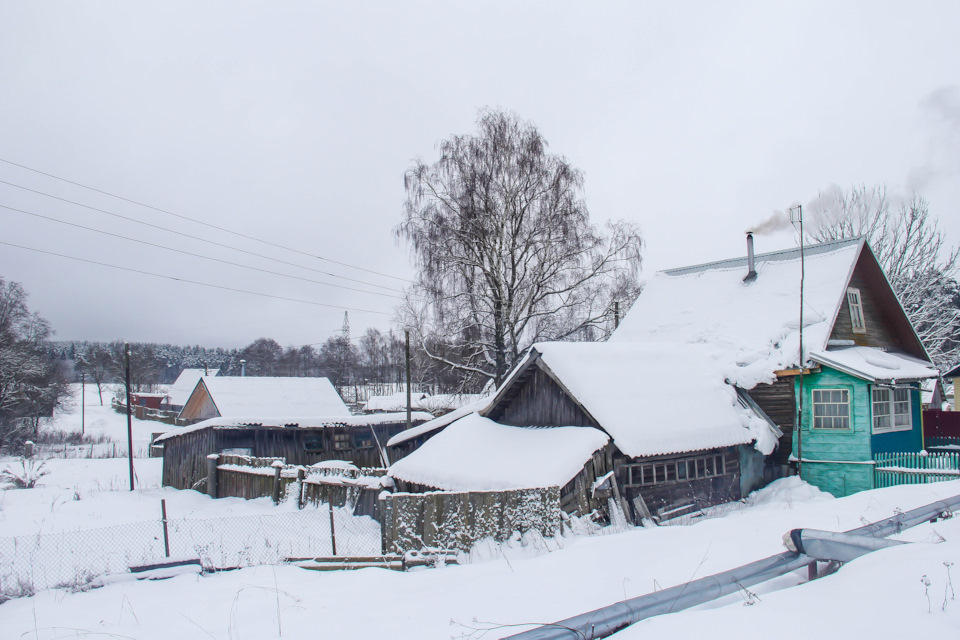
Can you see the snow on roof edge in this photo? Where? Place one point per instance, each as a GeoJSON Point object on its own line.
{"type": "Point", "coordinates": [302, 422]}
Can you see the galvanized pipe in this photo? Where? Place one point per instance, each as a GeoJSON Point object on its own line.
{"type": "Point", "coordinates": [606, 621]}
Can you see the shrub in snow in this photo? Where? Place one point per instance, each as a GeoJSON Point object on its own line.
{"type": "Point", "coordinates": [26, 477]}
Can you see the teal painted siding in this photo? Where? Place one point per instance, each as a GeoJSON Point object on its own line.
{"type": "Point", "coordinates": [902, 441]}
{"type": "Point", "coordinates": [850, 445]}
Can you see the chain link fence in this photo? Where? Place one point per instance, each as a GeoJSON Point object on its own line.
{"type": "Point", "coordinates": [74, 559]}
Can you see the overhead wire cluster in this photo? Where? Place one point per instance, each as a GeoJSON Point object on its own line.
{"type": "Point", "coordinates": [357, 285]}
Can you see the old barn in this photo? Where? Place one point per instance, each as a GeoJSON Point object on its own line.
{"type": "Point", "coordinates": [356, 439]}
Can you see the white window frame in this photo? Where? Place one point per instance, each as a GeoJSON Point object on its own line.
{"type": "Point", "coordinates": [855, 302]}
{"type": "Point", "coordinates": [828, 416]}
{"type": "Point", "coordinates": [898, 421]}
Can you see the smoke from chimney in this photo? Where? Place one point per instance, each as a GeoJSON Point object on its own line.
{"type": "Point", "coordinates": [779, 221]}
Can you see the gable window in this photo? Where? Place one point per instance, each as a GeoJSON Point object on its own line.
{"type": "Point", "coordinates": [856, 310]}
{"type": "Point", "coordinates": [831, 409]}
{"type": "Point", "coordinates": [891, 409]}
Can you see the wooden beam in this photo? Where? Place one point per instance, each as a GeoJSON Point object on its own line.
{"type": "Point", "coordinates": [784, 373]}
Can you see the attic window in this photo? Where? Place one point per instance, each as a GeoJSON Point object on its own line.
{"type": "Point", "coordinates": [856, 310]}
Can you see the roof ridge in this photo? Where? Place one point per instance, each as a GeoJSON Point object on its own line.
{"type": "Point", "coordinates": [780, 254]}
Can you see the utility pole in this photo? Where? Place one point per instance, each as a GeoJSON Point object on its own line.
{"type": "Point", "coordinates": [83, 402]}
{"type": "Point", "coordinates": [126, 354]}
{"type": "Point", "coordinates": [799, 209]}
{"type": "Point", "coordinates": [406, 333]}
{"type": "Point", "coordinates": [616, 314]}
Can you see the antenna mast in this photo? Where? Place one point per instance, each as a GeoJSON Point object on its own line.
{"type": "Point", "coordinates": [798, 218]}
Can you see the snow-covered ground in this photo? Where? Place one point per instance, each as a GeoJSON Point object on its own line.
{"type": "Point", "coordinates": [881, 595]}
{"type": "Point", "coordinates": [102, 421]}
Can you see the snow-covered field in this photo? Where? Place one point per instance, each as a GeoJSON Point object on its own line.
{"type": "Point", "coordinates": [881, 595]}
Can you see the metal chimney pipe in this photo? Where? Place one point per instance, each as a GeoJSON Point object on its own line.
{"type": "Point", "coordinates": [751, 267]}
{"type": "Point", "coordinates": [243, 368]}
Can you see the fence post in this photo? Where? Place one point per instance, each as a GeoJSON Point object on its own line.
{"type": "Point", "coordinates": [166, 537]}
{"type": "Point", "coordinates": [300, 476]}
{"type": "Point", "coordinates": [212, 461]}
{"type": "Point", "coordinates": [333, 530]}
{"type": "Point", "coordinates": [277, 467]}
{"type": "Point", "coordinates": [28, 449]}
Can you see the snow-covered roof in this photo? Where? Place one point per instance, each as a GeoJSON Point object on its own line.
{"type": "Point", "coordinates": [477, 454]}
{"type": "Point", "coordinates": [186, 382]}
{"type": "Point", "coordinates": [302, 422]}
{"type": "Point", "coordinates": [875, 365]}
{"type": "Point", "coordinates": [439, 423]}
{"type": "Point", "coordinates": [634, 394]}
{"type": "Point", "coordinates": [274, 396]}
{"type": "Point", "coordinates": [394, 402]}
{"type": "Point", "coordinates": [754, 326]}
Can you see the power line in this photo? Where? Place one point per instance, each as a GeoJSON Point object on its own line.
{"type": "Point", "coordinates": [199, 239]}
{"type": "Point", "coordinates": [196, 255]}
{"type": "Point", "coordinates": [202, 284]}
{"type": "Point", "coordinates": [200, 222]}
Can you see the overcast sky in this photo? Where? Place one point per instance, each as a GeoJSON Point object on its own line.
{"type": "Point", "coordinates": [294, 123]}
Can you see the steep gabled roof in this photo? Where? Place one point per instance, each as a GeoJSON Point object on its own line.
{"type": "Point", "coordinates": [186, 382]}
{"type": "Point", "coordinates": [256, 396]}
{"type": "Point", "coordinates": [756, 324]}
{"type": "Point", "coordinates": [652, 399]}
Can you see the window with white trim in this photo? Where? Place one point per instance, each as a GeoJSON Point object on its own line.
{"type": "Point", "coordinates": [891, 409]}
{"type": "Point", "coordinates": [831, 409]}
{"type": "Point", "coordinates": [856, 310]}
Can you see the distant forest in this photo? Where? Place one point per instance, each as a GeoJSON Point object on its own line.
{"type": "Point", "coordinates": [374, 359]}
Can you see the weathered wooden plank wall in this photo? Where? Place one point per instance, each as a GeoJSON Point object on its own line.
{"type": "Point", "coordinates": [457, 520]}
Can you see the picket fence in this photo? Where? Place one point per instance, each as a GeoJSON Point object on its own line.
{"type": "Point", "coordinates": [915, 468]}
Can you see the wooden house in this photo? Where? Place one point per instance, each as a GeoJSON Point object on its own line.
{"type": "Point", "coordinates": [856, 385]}
{"type": "Point", "coordinates": [700, 387]}
{"type": "Point", "coordinates": [240, 396]}
{"type": "Point", "coordinates": [299, 440]}
{"type": "Point", "coordinates": [662, 448]}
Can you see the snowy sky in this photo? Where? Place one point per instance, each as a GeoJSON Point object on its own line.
{"type": "Point", "coordinates": [294, 124]}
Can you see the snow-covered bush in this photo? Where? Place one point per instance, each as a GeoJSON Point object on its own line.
{"type": "Point", "coordinates": [26, 477]}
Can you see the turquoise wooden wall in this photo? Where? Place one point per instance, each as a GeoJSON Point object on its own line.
{"type": "Point", "coordinates": [836, 444]}
{"type": "Point", "coordinates": [856, 444]}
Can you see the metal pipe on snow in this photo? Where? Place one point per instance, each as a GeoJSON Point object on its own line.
{"type": "Point", "coordinates": [606, 621]}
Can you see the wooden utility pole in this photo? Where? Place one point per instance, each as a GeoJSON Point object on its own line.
{"type": "Point", "coordinates": [126, 358]}
{"type": "Point", "coordinates": [83, 402]}
{"type": "Point", "coordinates": [406, 333]}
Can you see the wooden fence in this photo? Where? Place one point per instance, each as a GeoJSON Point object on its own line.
{"type": "Point", "coordinates": [941, 424]}
{"type": "Point", "coordinates": [251, 477]}
{"type": "Point", "coordinates": [444, 520]}
{"type": "Point", "coordinates": [915, 468]}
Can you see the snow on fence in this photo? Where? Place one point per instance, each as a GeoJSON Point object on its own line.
{"type": "Point", "coordinates": [413, 521]}
{"type": "Point", "coordinates": [915, 468]}
{"type": "Point", "coordinates": [75, 559]}
{"type": "Point", "coordinates": [942, 444]}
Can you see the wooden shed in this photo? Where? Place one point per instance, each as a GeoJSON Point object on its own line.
{"type": "Point", "coordinates": [356, 439]}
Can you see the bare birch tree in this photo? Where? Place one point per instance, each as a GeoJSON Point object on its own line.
{"type": "Point", "coordinates": [920, 265]}
{"type": "Point", "coordinates": [505, 249]}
